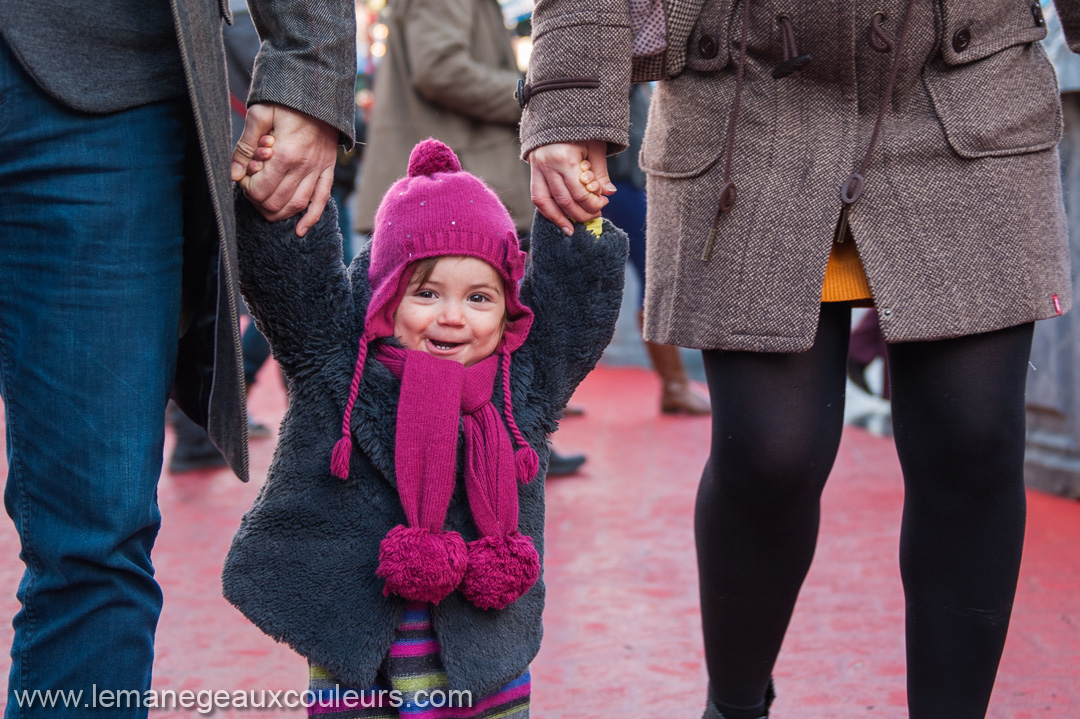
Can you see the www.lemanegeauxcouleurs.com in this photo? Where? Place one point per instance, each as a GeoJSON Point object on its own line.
{"type": "Point", "coordinates": [207, 701]}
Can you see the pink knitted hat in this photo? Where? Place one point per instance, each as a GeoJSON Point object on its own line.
{"type": "Point", "coordinates": [439, 209]}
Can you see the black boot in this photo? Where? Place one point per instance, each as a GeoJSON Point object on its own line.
{"type": "Point", "coordinates": [193, 450]}
{"type": "Point", "coordinates": [712, 712]}
{"type": "Point", "coordinates": [560, 465]}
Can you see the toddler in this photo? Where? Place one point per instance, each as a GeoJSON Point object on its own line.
{"type": "Point", "coordinates": [397, 541]}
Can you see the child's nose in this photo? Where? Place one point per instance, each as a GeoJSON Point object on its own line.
{"type": "Point", "coordinates": [451, 314]}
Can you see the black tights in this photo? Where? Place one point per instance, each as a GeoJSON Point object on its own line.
{"type": "Point", "coordinates": [958, 418]}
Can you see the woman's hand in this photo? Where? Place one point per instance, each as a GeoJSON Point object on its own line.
{"type": "Point", "coordinates": [557, 187]}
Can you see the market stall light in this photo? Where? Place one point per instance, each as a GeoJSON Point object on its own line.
{"type": "Point", "coordinates": [523, 50]}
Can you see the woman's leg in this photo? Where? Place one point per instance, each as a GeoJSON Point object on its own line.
{"type": "Point", "coordinates": [777, 420]}
{"type": "Point", "coordinates": [958, 417]}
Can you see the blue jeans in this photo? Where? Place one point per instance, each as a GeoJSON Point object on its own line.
{"type": "Point", "coordinates": [91, 239]}
{"type": "Point", "coordinates": [626, 210]}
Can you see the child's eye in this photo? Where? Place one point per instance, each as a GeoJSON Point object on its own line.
{"type": "Point", "coordinates": [479, 297]}
{"type": "Point", "coordinates": [426, 294]}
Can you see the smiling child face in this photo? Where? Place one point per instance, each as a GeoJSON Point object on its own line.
{"type": "Point", "coordinates": [457, 312]}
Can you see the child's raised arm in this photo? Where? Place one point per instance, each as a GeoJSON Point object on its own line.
{"type": "Point", "coordinates": [574, 287]}
{"type": "Point", "coordinates": [297, 288]}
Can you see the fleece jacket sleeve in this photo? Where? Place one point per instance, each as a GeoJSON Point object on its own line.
{"type": "Point", "coordinates": [574, 287]}
{"type": "Point", "coordinates": [297, 288]}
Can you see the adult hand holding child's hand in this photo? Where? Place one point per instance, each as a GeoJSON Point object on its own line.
{"type": "Point", "coordinates": [557, 187]}
{"type": "Point", "coordinates": [297, 175]}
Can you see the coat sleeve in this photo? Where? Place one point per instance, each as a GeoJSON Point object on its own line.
{"type": "Point", "coordinates": [1069, 12]}
{"type": "Point", "coordinates": [438, 36]}
{"type": "Point", "coordinates": [307, 59]}
{"type": "Point", "coordinates": [574, 287]}
{"type": "Point", "coordinates": [297, 289]}
{"type": "Point", "coordinates": [578, 83]}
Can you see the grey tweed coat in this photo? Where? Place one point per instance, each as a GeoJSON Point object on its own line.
{"type": "Point", "coordinates": [961, 227]}
{"type": "Point", "coordinates": [302, 565]}
{"type": "Point", "coordinates": [306, 62]}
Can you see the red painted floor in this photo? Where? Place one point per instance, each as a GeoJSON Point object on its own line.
{"type": "Point", "coordinates": [622, 621]}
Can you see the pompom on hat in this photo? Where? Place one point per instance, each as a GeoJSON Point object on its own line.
{"type": "Point", "coordinates": [439, 210]}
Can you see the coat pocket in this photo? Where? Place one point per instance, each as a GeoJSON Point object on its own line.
{"type": "Point", "coordinates": [974, 29]}
{"type": "Point", "coordinates": [688, 121]}
{"type": "Point", "coordinates": [685, 132]}
{"type": "Point", "coordinates": [1006, 103]}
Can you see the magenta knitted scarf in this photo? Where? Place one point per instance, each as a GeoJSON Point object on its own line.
{"type": "Point", "coordinates": [421, 562]}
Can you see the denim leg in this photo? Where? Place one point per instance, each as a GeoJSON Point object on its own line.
{"type": "Point", "coordinates": [256, 351]}
{"type": "Point", "coordinates": [626, 209]}
{"type": "Point", "coordinates": [91, 238]}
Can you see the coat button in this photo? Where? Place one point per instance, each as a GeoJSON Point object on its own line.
{"type": "Point", "coordinates": [1037, 13]}
{"type": "Point", "coordinates": [886, 312]}
{"type": "Point", "coordinates": [520, 94]}
{"type": "Point", "coordinates": [961, 39]}
{"type": "Point", "coordinates": [707, 47]}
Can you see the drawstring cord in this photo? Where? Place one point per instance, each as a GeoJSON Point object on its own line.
{"type": "Point", "coordinates": [879, 41]}
{"type": "Point", "coordinates": [854, 185]}
{"type": "Point", "coordinates": [793, 62]}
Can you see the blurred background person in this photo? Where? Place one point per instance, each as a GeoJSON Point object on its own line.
{"type": "Point", "coordinates": [450, 73]}
{"type": "Point", "coordinates": [346, 172]}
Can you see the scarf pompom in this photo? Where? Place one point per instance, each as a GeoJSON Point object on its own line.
{"type": "Point", "coordinates": [527, 464]}
{"type": "Point", "coordinates": [501, 569]}
{"type": "Point", "coordinates": [339, 462]}
{"type": "Point", "coordinates": [420, 565]}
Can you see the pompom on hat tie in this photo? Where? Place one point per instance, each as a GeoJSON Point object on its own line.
{"type": "Point", "coordinates": [421, 562]}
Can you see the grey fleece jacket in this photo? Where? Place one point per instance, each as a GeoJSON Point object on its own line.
{"type": "Point", "coordinates": [302, 565]}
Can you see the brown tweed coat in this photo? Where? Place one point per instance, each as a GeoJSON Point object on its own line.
{"type": "Point", "coordinates": [961, 227]}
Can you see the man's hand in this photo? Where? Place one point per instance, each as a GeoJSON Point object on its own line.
{"type": "Point", "coordinates": [298, 174]}
{"type": "Point", "coordinates": [557, 187]}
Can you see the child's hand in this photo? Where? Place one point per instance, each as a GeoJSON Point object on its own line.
{"type": "Point", "coordinates": [263, 152]}
{"type": "Point", "coordinates": [589, 181]}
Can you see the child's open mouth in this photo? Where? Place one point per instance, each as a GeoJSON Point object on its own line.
{"type": "Point", "coordinates": [445, 346]}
